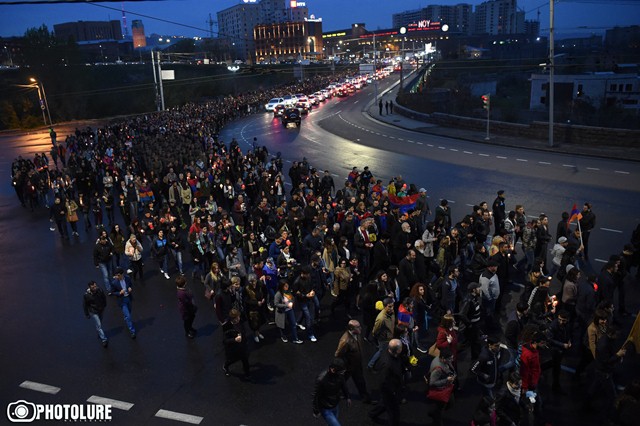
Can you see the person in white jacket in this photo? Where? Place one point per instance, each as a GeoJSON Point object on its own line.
{"type": "Point", "coordinates": [557, 251]}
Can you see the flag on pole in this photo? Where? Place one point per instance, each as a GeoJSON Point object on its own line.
{"type": "Point", "coordinates": [634, 335]}
{"type": "Point", "coordinates": [574, 215]}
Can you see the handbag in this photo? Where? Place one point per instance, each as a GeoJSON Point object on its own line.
{"type": "Point", "coordinates": [441, 394]}
{"type": "Point", "coordinates": [434, 351]}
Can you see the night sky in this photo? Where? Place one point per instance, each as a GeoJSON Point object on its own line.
{"type": "Point", "coordinates": [572, 17]}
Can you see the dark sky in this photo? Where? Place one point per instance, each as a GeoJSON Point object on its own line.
{"type": "Point", "coordinates": [571, 17]}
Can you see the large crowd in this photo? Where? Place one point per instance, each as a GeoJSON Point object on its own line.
{"type": "Point", "coordinates": [164, 192]}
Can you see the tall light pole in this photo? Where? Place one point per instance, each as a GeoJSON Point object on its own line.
{"type": "Point", "coordinates": [42, 95]}
{"type": "Point", "coordinates": [375, 68]}
{"type": "Point", "coordinates": [403, 31]}
{"type": "Point", "coordinates": [551, 71]}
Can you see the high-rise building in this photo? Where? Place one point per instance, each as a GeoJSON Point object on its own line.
{"type": "Point", "coordinates": [236, 24]}
{"type": "Point", "coordinates": [139, 39]}
{"type": "Point", "coordinates": [497, 17]}
{"type": "Point", "coordinates": [457, 17]}
{"type": "Point", "coordinates": [532, 28]}
{"type": "Point", "coordinates": [289, 41]}
{"type": "Point", "coordinates": [89, 30]}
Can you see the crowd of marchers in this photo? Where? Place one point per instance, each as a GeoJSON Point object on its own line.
{"type": "Point", "coordinates": [164, 196]}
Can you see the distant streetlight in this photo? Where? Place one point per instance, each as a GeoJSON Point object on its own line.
{"type": "Point", "coordinates": [42, 96]}
{"type": "Point", "coordinates": [403, 31]}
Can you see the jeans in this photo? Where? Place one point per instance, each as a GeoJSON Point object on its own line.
{"type": "Point", "coordinates": [291, 317]}
{"type": "Point", "coordinates": [330, 415]}
{"type": "Point", "coordinates": [97, 320]}
{"type": "Point", "coordinates": [162, 262]}
{"type": "Point", "coordinates": [107, 272]}
{"type": "Point", "coordinates": [308, 317]}
{"type": "Point", "coordinates": [126, 311]}
{"type": "Point", "coordinates": [177, 255]}
{"type": "Point", "coordinates": [382, 346]}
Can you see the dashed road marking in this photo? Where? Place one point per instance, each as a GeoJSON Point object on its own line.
{"type": "Point", "coordinates": [420, 143]}
{"type": "Point", "coordinates": [442, 147]}
{"type": "Point", "coordinates": [120, 405]}
{"type": "Point", "coordinates": [483, 155]}
{"type": "Point", "coordinates": [568, 165]}
{"type": "Point", "coordinates": [501, 157]}
{"type": "Point", "coordinates": [181, 417]}
{"type": "Point", "coordinates": [622, 172]}
{"type": "Point", "coordinates": [467, 152]}
{"type": "Point", "coordinates": [429, 145]}
{"type": "Point", "coordinates": [400, 139]}
{"type": "Point", "coordinates": [521, 159]}
{"type": "Point", "coordinates": [409, 140]}
{"type": "Point", "coordinates": [592, 168]}
{"type": "Point", "coordinates": [611, 230]}
{"type": "Point", "coordinates": [40, 387]}
{"type": "Point", "coordinates": [335, 174]}
{"type": "Point", "coordinates": [544, 162]}
{"type": "Point", "coordinates": [601, 260]}
{"type": "Point", "coordinates": [453, 149]}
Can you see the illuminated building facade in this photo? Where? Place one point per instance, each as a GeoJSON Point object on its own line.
{"type": "Point", "coordinates": [289, 41]}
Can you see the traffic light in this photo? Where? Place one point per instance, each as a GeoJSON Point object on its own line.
{"type": "Point", "coordinates": [486, 100]}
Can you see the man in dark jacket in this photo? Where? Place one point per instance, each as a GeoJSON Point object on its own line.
{"type": "Point", "coordinates": [235, 344]}
{"type": "Point", "coordinates": [102, 258]}
{"type": "Point", "coordinates": [559, 338]}
{"type": "Point", "coordinates": [93, 303]}
{"type": "Point", "coordinates": [499, 212]}
{"type": "Point", "coordinates": [471, 315]}
{"type": "Point", "coordinates": [392, 381]}
{"type": "Point", "coordinates": [304, 292]}
{"type": "Point", "coordinates": [486, 368]}
{"type": "Point", "coordinates": [350, 350]}
{"type": "Point", "coordinates": [120, 287]}
{"type": "Point", "coordinates": [176, 244]}
{"type": "Point", "coordinates": [509, 402]}
{"type": "Point", "coordinates": [330, 385]}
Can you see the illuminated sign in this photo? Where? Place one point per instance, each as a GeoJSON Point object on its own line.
{"type": "Point", "coordinates": [249, 1]}
{"type": "Point", "coordinates": [295, 3]}
{"type": "Point", "coordinates": [341, 34]}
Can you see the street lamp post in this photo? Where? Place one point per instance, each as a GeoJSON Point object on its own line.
{"type": "Point", "coordinates": [42, 96]}
{"type": "Point", "coordinates": [403, 31]}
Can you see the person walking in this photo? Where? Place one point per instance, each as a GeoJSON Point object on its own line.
{"type": "Point", "coordinates": [133, 250]}
{"type": "Point", "coordinates": [93, 303]}
{"type": "Point", "coordinates": [103, 258]}
{"type": "Point", "coordinates": [587, 223]}
{"type": "Point", "coordinates": [383, 329]}
{"type": "Point", "coordinates": [329, 387]}
{"type": "Point", "coordinates": [392, 382]}
{"type": "Point", "coordinates": [380, 107]}
{"type": "Point", "coordinates": [442, 375]}
{"type": "Point", "coordinates": [160, 251]}
{"type": "Point", "coordinates": [121, 288]}
{"type": "Point", "coordinates": [350, 350]}
{"type": "Point", "coordinates": [186, 306]}
{"type": "Point", "coordinates": [235, 344]}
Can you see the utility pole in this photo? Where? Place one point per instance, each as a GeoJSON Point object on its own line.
{"type": "Point", "coordinates": [486, 104]}
{"type": "Point", "coordinates": [157, 80]}
{"type": "Point", "coordinates": [551, 71]}
{"type": "Point", "coordinates": [160, 83]}
{"type": "Point", "coordinates": [375, 68]}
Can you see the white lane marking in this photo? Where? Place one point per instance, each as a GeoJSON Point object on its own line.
{"type": "Point", "coordinates": [100, 400]}
{"type": "Point", "coordinates": [409, 140]}
{"type": "Point", "coordinates": [442, 147]}
{"type": "Point", "coordinates": [392, 137]}
{"type": "Point", "coordinates": [601, 260]}
{"type": "Point", "coordinates": [592, 168]}
{"type": "Point", "coordinates": [181, 417]}
{"type": "Point", "coordinates": [611, 230]}
{"type": "Point", "coordinates": [521, 159]}
{"type": "Point", "coordinates": [501, 157]}
{"type": "Point", "coordinates": [288, 161]}
{"type": "Point", "coordinates": [429, 145]}
{"type": "Point", "coordinates": [568, 165]}
{"type": "Point", "coordinates": [420, 143]}
{"type": "Point", "coordinates": [469, 205]}
{"type": "Point", "coordinates": [355, 102]}
{"type": "Point", "coordinates": [400, 139]}
{"type": "Point", "coordinates": [622, 172]}
{"type": "Point", "coordinates": [451, 201]}
{"type": "Point", "coordinates": [453, 149]}
{"type": "Point", "coordinates": [544, 162]}
{"type": "Point", "coordinates": [483, 155]}
{"type": "Point", "coordinates": [335, 174]}
{"type": "Point", "coordinates": [40, 387]}
{"type": "Point", "coordinates": [467, 152]}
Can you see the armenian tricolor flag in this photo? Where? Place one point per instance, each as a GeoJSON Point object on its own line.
{"type": "Point", "coordinates": [574, 215]}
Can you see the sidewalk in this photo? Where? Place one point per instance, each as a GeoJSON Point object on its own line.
{"type": "Point", "coordinates": [398, 120]}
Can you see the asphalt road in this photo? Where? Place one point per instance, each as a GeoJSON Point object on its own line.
{"type": "Point", "coordinates": [46, 339]}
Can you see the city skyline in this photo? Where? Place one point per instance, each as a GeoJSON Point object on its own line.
{"type": "Point", "coordinates": [189, 17]}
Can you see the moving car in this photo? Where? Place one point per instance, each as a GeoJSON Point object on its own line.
{"type": "Point", "coordinates": [291, 115]}
{"type": "Point", "coordinates": [303, 108]}
{"type": "Point", "coordinates": [269, 106]}
{"type": "Point", "coordinates": [279, 109]}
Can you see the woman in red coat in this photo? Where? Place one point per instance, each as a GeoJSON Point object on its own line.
{"type": "Point", "coordinates": [530, 358]}
{"type": "Point", "coordinates": [447, 336]}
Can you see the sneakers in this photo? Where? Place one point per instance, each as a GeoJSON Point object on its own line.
{"type": "Point", "coordinates": [424, 351]}
{"type": "Point", "coordinates": [129, 271]}
{"type": "Point", "coordinates": [166, 275]}
{"type": "Point", "coordinates": [260, 336]}
{"type": "Point", "coordinates": [284, 339]}
{"type": "Point", "coordinates": [298, 342]}
{"type": "Point", "coordinates": [270, 308]}
{"type": "Point", "coordinates": [226, 370]}
{"type": "Point", "coordinates": [256, 339]}
{"type": "Point", "coordinates": [313, 338]}
{"type": "Point", "coordinates": [302, 327]}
